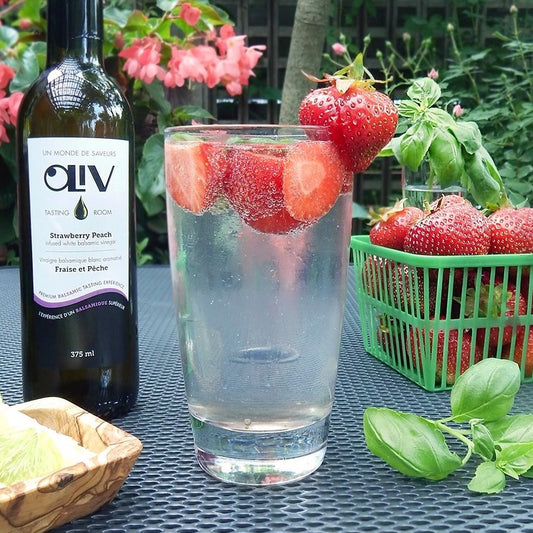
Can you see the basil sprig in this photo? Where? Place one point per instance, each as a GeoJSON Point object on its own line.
{"type": "Point", "coordinates": [452, 148]}
{"type": "Point", "coordinates": [481, 398]}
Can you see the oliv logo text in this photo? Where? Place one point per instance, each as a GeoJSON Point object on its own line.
{"type": "Point", "coordinates": [76, 178]}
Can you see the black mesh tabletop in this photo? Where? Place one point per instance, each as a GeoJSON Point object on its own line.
{"type": "Point", "coordinates": [353, 491]}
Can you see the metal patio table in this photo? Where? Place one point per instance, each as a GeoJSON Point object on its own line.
{"type": "Point", "coordinates": [353, 491]}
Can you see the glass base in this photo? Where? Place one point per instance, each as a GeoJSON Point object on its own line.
{"type": "Point", "coordinates": [260, 458]}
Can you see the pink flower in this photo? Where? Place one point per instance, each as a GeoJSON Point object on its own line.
{"type": "Point", "coordinates": [142, 59]}
{"type": "Point", "coordinates": [237, 67]}
{"type": "Point", "coordinates": [457, 110]}
{"type": "Point", "coordinates": [196, 64]}
{"type": "Point", "coordinates": [223, 58]}
{"type": "Point", "coordinates": [9, 108]}
{"type": "Point", "coordinates": [6, 75]}
{"type": "Point", "coordinates": [13, 104]}
{"type": "Point", "coordinates": [191, 15]}
{"type": "Point", "coordinates": [338, 49]}
{"type": "Point", "coordinates": [226, 32]}
{"type": "Point", "coordinates": [433, 74]}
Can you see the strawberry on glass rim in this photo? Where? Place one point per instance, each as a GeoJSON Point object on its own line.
{"type": "Point", "coordinates": [359, 119]}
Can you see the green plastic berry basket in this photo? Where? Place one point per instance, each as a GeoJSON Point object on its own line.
{"type": "Point", "coordinates": [431, 317]}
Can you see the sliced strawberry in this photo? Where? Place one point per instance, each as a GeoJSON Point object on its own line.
{"type": "Point", "coordinates": [281, 222]}
{"type": "Point", "coordinates": [193, 174]}
{"type": "Point", "coordinates": [253, 183]}
{"type": "Point", "coordinates": [254, 187]}
{"type": "Point", "coordinates": [312, 180]}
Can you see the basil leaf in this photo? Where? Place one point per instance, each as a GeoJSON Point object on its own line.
{"type": "Point", "coordinates": [425, 91]}
{"type": "Point", "coordinates": [468, 134]}
{"type": "Point", "coordinates": [489, 479]}
{"type": "Point", "coordinates": [445, 159]}
{"type": "Point", "coordinates": [528, 474]}
{"type": "Point", "coordinates": [408, 108]}
{"type": "Point", "coordinates": [414, 145]}
{"type": "Point", "coordinates": [516, 458]}
{"type": "Point", "coordinates": [483, 441]}
{"type": "Point", "coordinates": [440, 118]}
{"type": "Point", "coordinates": [409, 443]}
{"type": "Point", "coordinates": [510, 429]}
{"type": "Point", "coordinates": [485, 183]}
{"type": "Point", "coordinates": [486, 390]}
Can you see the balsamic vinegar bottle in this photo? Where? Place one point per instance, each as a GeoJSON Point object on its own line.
{"type": "Point", "coordinates": [76, 223]}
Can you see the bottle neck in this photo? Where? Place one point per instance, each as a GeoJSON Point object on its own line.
{"type": "Point", "coordinates": [75, 30]}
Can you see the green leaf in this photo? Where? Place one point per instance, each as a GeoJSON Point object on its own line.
{"type": "Point", "coordinates": [483, 441]}
{"type": "Point", "coordinates": [516, 458]}
{"type": "Point", "coordinates": [445, 159]}
{"type": "Point", "coordinates": [28, 71]}
{"type": "Point", "coordinates": [186, 113]}
{"type": "Point", "coordinates": [425, 91]}
{"type": "Point", "coordinates": [31, 9]}
{"type": "Point", "coordinates": [489, 479]}
{"type": "Point", "coordinates": [151, 175]}
{"type": "Point", "coordinates": [390, 148]}
{"type": "Point", "coordinates": [486, 390]}
{"type": "Point", "coordinates": [408, 108]}
{"type": "Point", "coordinates": [8, 36]}
{"type": "Point", "coordinates": [157, 94]}
{"type": "Point", "coordinates": [167, 5]}
{"type": "Point", "coordinates": [116, 15]}
{"type": "Point", "coordinates": [414, 144]}
{"type": "Point", "coordinates": [510, 429]}
{"type": "Point", "coordinates": [409, 443]}
{"type": "Point", "coordinates": [484, 181]}
{"type": "Point", "coordinates": [468, 134]}
{"type": "Point", "coordinates": [440, 118]}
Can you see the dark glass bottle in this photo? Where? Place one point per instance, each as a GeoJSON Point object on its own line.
{"type": "Point", "coordinates": [75, 144]}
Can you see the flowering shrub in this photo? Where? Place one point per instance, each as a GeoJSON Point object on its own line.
{"type": "Point", "coordinates": [170, 44]}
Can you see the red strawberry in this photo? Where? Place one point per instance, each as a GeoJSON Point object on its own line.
{"type": "Point", "coordinates": [494, 301]}
{"type": "Point", "coordinates": [447, 200]}
{"type": "Point", "coordinates": [511, 230]}
{"type": "Point", "coordinates": [457, 353]}
{"type": "Point", "coordinates": [194, 174]}
{"type": "Point", "coordinates": [457, 345]}
{"type": "Point", "coordinates": [312, 180]}
{"type": "Point", "coordinates": [396, 284]}
{"type": "Point", "coordinates": [455, 229]}
{"type": "Point", "coordinates": [359, 119]}
{"type": "Point", "coordinates": [521, 355]}
{"type": "Point", "coordinates": [254, 187]}
{"type": "Point", "coordinates": [390, 225]}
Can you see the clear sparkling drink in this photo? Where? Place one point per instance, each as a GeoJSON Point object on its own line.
{"type": "Point", "coordinates": [259, 294]}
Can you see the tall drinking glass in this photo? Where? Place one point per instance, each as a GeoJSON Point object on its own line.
{"type": "Point", "coordinates": [259, 222]}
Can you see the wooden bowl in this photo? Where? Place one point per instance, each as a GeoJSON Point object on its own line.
{"type": "Point", "coordinates": [78, 490]}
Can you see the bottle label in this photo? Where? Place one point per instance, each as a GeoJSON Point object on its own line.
{"type": "Point", "coordinates": [79, 223]}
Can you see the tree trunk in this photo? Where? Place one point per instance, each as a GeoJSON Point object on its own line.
{"type": "Point", "coordinates": [305, 54]}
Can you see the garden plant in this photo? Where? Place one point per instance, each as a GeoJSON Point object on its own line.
{"type": "Point", "coordinates": [153, 51]}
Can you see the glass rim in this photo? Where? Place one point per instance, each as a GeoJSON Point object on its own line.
{"type": "Point", "coordinates": [247, 129]}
